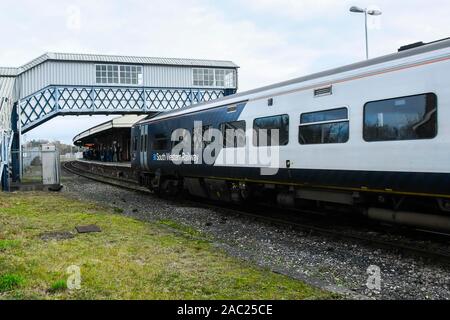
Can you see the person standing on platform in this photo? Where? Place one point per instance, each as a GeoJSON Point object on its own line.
{"type": "Point", "coordinates": [114, 152]}
{"type": "Point", "coordinates": [119, 153]}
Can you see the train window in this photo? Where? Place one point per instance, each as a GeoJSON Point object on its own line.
{"type": "Point", "coordinates": [161, 142]}
{"type": "Point", "coordinates": [324, 127]}
{"type": "Point", "coordinates": [280, 123]}
{"type": "Point", "coordinates": [206, 136]}
{"type": "Point", "coordinates": [404, 118]}
{"type": "Point", "coordinates": [233, 134]}
{"type": "Point", "coordinates": [322, 116]}
{"type": "Point", "coordinates": [204, 139]}
{"type": "Point", "coordinates": [183, 135]}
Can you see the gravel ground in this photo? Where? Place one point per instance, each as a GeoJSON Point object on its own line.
{"type": "Point", "coordinates": [336, 265]}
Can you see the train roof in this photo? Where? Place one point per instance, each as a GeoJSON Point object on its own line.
{"type": "Point", "coordinates": [403, 53]}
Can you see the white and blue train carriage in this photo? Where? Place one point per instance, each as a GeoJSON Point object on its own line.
{"type": "Point", "coordinates": [375, 134]}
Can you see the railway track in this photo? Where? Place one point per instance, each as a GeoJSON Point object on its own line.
{"type": "Point", "coordinates": [117, 182]}
{"type": "Point", "coordinates": [417, 243]}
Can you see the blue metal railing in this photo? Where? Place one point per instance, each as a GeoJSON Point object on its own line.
{"type": "Point", "coordinates": [59, 100]}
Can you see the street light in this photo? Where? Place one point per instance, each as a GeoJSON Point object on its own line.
{"type": "Point", "coordinates": [366, 12]}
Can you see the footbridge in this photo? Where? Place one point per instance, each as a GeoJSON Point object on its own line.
{"type": "Point", "coordinates": [57, 84]}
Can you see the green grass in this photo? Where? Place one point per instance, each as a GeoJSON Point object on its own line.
{"type": "Point", "coordinates": [129, 259]}
{"type": "Point", "coordinates": [10, 281]}
{"type": "Point", "coordinates": [30, 180]}
{"type": "Point", "coordinates": [59, 285]}
{"type": "Point", "coordinates": [5, 244]}
{"type": "Point", "coordinates": [183, 229]}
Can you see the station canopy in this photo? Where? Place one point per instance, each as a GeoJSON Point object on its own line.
{"type": "Point", "coordinates": [124, 122]}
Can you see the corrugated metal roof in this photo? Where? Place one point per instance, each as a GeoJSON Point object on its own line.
{"type": "Point", "coordinates": [6, 87]}
{"type": "Point", "coordinates": [6, 97]}
{"type": "Point", "coordinates": [8, 72]}
{"type": "Point", "coordinates": [122, 122]}
{"type": "Point", "coordinates": [127, 60]}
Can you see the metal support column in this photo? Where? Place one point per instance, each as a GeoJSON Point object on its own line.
{"type": "Point", "coordinates": [4, 145]}
{"type": "Point", "coordinates": [5, 178]}
{"type": "Point", "coordinates": [15, 150]}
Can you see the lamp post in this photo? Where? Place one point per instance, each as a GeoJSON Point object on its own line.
{"type": "Point", "coordinates": [366, 12]}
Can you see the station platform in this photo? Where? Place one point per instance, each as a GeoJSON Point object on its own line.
{"type": "Point", "coordinates": [107, 164]}
{"type": "Point", "coordinates": [120, 170]}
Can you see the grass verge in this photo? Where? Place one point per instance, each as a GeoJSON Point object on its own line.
{"type": "Point", "coordinates": [129, 259]}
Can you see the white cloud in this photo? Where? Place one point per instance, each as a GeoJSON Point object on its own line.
{"type": "Point", "coordinates": [298, 9]}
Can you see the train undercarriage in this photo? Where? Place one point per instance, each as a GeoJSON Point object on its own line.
{"type": "Point", "coordinates": [425, 212]}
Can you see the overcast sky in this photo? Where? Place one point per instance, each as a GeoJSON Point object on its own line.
{"type": "Point", "coordinates": [271, 40]}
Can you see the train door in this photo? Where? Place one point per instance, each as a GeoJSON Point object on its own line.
{"type": "Point", "coordinates": [143, 159]}
{"type": "Point", "coordinates": [133, 153]}
{"type": "Point", "coordinates": [146, 164]}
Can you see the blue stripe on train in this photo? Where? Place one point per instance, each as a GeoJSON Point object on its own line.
{"type": "Point", "coordinates": [210, 117]}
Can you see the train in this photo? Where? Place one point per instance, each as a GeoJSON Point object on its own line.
{"type": "Point", "coordinates": [373, 135]}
